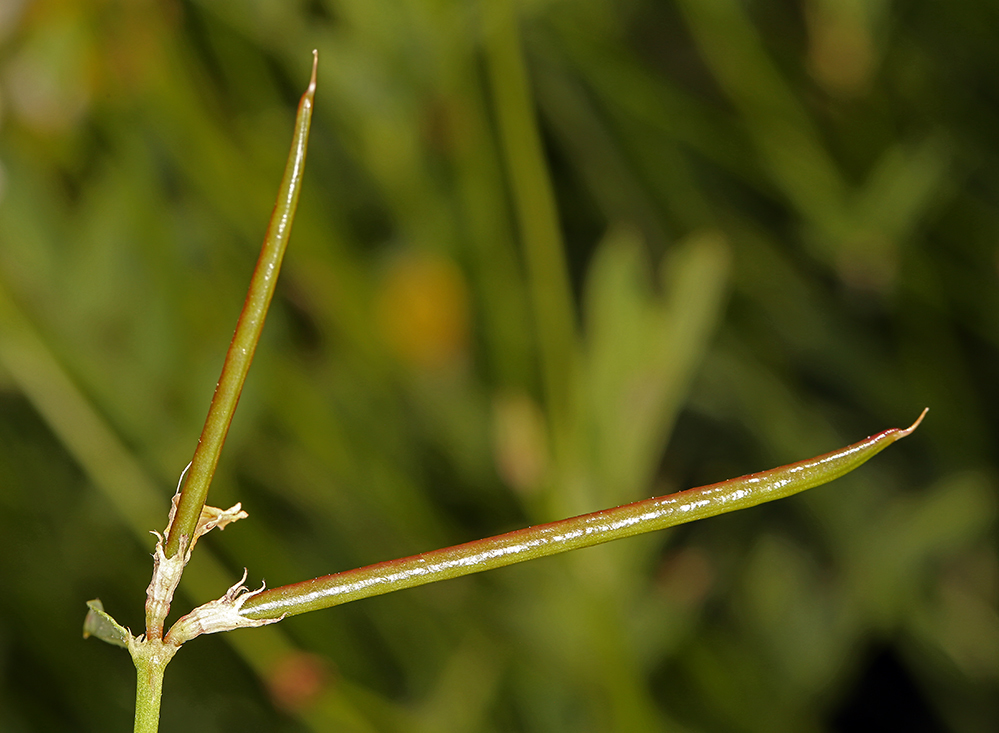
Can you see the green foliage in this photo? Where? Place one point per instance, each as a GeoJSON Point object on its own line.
{"type": "Point", "coordinates": [780, 233]}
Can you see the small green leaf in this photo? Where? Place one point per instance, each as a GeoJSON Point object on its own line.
{"type": "Point", "coordinates": [99, 624]}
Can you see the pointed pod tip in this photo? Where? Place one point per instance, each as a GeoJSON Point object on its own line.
{"type": "Point", "coordinates": [315, 66]}
{"type": "Point", "coordinates": [911, 428]}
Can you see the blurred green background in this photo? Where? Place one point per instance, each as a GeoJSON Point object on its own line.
{"type": "Point", "coordinates": [550, 257]}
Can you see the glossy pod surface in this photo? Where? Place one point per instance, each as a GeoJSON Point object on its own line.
{"type": "Point", "coordinates": [569, 534]}
{"type": "Point", "coordinates": [248, 328]}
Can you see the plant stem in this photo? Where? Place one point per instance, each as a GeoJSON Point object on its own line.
{"type": "Point", "coordinates": [248, 328]}
{"type": "Point", "coordinates": [151, 658]}
{"type": "Point", "coordinates": [569, 534]}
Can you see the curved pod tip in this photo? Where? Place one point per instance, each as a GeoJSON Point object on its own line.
{"type": "Point", "coordinates": [911, 428]}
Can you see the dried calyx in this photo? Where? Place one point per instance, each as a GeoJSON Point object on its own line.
{"type": "Point", "coordinates": [221, 614]}
{"type": "Point", "coordinates": [168, 570]}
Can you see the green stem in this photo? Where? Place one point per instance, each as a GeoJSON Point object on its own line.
{"type": "Point", "coordinates": [248, 328]}
{"type": "Point", "coordinates": [151, 658]}
{"type": "Point", "coordinates": [569, 534]}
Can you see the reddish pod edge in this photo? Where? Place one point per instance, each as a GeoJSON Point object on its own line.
{"type": "Point", "coordinates": [574, 533]}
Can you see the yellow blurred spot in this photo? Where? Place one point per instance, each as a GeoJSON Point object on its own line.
{"type": "Point", "coordinates": [840, 50]}
{"type": "Point", "coordinates": [520, 445]}
{"type": "Point", "coordinates": [50, 80]}
{"type": "Point", "coordinates": [423, 310]}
